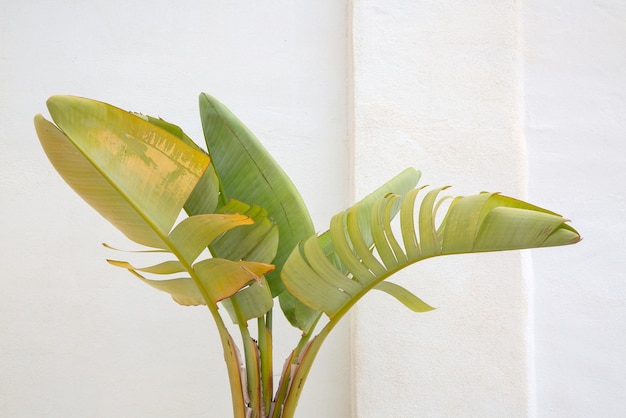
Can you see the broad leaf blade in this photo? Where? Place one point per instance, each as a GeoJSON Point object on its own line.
{"type": "Point", "coordinates": [248, 173]}
{"type": "Point", "coordinates": [135, 174]}
{"type": "Point", "coordinates": [223, 278]}
{"type": "Point", "coordinates": [92, 186]}
{"type": "Point", "coordinates": [206, 194]}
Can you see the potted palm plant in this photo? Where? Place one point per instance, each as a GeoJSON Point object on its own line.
{"type": "Point", "coordinates": [141, 173]}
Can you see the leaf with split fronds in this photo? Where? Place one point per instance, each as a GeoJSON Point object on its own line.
{"type": "Point", "coordinates": [484, 222]}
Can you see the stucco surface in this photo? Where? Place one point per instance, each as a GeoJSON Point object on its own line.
{"type": "Point", "coordinates": [437, 87]}
{"type": "Point", "coordinates": [527, 98]}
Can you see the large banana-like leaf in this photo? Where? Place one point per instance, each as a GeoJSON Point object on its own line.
{"type": "Point", "coordinates": [248, 173]}
{"type": "Point", "coordinates": [139, 176]}
{"type": "Point", "coordinates": [484, 222]}
{"type": "Point", "coordinates": [136, 176]}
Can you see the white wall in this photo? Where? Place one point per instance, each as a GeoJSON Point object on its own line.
{"type": "Point", "coordinates": [79, 338]}
{"type": "Point", "coordinates": [437, 87]}
{"type": "Point", "coordinates": [575, 94]}
{"type": "Point", "coordinates": [527, 98]}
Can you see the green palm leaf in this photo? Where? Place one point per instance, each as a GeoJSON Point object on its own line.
{"type": "Point", "coordinates": [484, 222]}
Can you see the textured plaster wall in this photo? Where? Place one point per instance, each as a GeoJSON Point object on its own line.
{"type": "Point", "coordinates": [524, 97]}
{"type": "Point", "coordinates": [437, 87]}
{"type": "Point", "coordinates": [575, 94]}
{"type": "Point", "coordinates": [79, 338]}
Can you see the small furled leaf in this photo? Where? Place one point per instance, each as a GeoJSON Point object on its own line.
{"type": "Point", "coordinates": [255, 242]}
{"type": "Point", "coordinates": [194, 234]}
{"type": "Point", "coordinates": [254, 301]}
{"type": "Point", "coordinates": [223, 278]}
{"type": "Point", "coordinates": [297, 313]}
{"type": "Point", "coordinates": [403, 296]}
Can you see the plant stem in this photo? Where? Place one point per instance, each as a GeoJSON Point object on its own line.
{"type": "Point", "coordinates": [290, 363]}
{"type": "Point", "coordinates": [266, 349]}
{"type": "Point", "coordinates": [304, 361]}
{"type": "Point", "coordinates": [252, 359]}
{"type": "Point", "coordinates": [231, 355]}
{"type": "Point", "coordinates": [306, 335]}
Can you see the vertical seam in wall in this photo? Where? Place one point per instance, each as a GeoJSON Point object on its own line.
{"type": "Point", "coordinates": [526, 256]}
{"type": "Point", "coordinates": [350, 143]}
{"type": "Point", "coordinates": [350, 100]}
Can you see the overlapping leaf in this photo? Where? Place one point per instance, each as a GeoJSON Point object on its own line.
{"type": "Point", "coordinates": [248, 173]}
